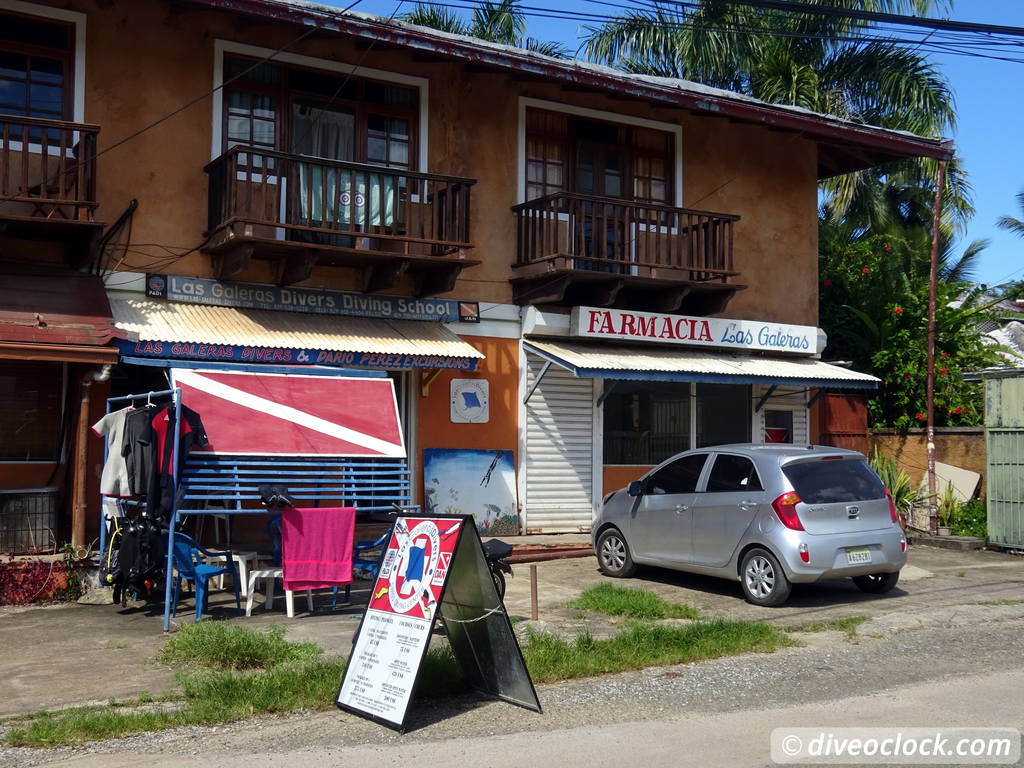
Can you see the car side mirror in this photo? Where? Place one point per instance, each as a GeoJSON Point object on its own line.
{"type": "Point", "coordinates": [636, 488]}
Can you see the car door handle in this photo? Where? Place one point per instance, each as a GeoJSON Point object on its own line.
{"type": "Point", "coordinates": [680, 508]}
{"type": "Point", "coordinates": [746, 506]}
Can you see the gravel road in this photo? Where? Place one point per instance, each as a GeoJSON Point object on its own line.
{"type": "Point", "coordinates": [830, 673]}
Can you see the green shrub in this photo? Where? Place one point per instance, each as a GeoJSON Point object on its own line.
{"type": "Point", "coordinates": [972, 520]}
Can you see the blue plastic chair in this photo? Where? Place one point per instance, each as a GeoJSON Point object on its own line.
{"type": "Point", "coordinates": [362, 564]}
{"type": "Point", "coordinates": [190, 566]}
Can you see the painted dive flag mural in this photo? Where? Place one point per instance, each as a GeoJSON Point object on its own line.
{"type": "Point", "coordinates": [293, 415]}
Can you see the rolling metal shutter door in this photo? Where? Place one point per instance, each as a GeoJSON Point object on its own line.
{"type": "Point", "coordinates": [559, 451]}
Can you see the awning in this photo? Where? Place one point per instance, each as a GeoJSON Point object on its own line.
{"type": "Point", "coordinates": [606, 361]}
{"type": "Point", "coordinates": [196, 331]}
{"type": "Point", "coordinates": [61, 317]}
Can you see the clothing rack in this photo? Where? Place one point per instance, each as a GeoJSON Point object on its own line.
{"type": "Point", "coordinates": [175, 397]}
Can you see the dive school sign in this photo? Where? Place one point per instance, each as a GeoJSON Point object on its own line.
{"type": "Point", "coordinates": [595, 323]}
{"type": "Point", "coordinates": [201, 290]}
{"type": "Point", "coordinates": [431, 567]}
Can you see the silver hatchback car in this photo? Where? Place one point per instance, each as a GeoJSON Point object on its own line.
{"type": "Point", "coordinates": [768, 515]}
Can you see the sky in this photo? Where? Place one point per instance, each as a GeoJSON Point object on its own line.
{"type": "Point", "coordinates": [990, 107]}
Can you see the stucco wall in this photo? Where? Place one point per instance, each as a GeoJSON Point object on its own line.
{"type": "Point", "coordinates": [145, 58]}
{"type": "Point", "coordinates": [960, 446]}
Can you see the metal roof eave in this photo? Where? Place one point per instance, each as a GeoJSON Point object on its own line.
{"type": "Point", "coordinates": [823, 128]}
{"type": "Point", "coordinates": [698, 377]}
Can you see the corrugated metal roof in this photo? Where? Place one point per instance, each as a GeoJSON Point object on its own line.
{"type": "Point", "coordinates": [145, 320]}
{"type": "Point", "coordinates": [66, 309]}
{"type": "Point", "coordinates": [620, 362]}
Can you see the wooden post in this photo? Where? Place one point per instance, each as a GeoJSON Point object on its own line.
{"type": "Point", "coordinates": [533, 592]}
{"type": "Point", "coordinates": [81, 457]}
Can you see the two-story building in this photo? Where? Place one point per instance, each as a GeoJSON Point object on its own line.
{"type": "Point", "coordinates": [590, 269]}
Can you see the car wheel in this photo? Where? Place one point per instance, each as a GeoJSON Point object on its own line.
{"type": "Point", "coordinates": [876, 583]}
{"type": "Point", "coordinates": [764, 582]}
{"type": "Point", "coordinates": [613, 556]}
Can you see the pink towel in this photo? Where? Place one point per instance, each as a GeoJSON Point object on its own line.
{"type": "Point", "coordinates": [316, 546]}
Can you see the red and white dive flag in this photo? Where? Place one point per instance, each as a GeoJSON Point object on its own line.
{"type": "Point", "coordinates": [293, 415]}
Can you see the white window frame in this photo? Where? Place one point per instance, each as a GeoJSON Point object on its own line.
{"type": "Point", "coordinates": [222, 47]}
{"type": "Point", "coordinates": [526, 102]}
{"type": "Point", "coordinates": [78, 20]}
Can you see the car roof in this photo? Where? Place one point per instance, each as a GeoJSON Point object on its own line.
{"type": "Point", "coordinates": [778, 449]}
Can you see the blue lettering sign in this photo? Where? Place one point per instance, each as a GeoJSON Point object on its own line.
{"type": "Point", "coordinates": [200, 290]}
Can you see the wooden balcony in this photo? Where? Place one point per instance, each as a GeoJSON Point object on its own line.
{"type": "Point", "coordinates": [304, 211]}
{"type": "Point", "coordinates": [578, 249]}
{"type": "Point", "coordinates": [48, 182]}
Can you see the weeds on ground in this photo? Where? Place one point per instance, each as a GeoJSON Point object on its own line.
{"type": "Point", "coordinates": [550, 658]}
{"type": "Point", "coordinates": [227, 673]}
{"type": "Point", "coordinates": [1002, 602]}
{"type": "Point", "coordinates": [219, 645]}
{"type": "Point", "coordinates": [632, 603]}
{"type": "Point", "coordinates": [848, 625]}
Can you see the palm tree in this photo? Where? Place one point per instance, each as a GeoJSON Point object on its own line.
{"type": "Point", "coordinates": [501, 21]}
{"type": "Point", "coordinates": [1011, 224]}
{"type": "Point", "coordinates": [812, 61]}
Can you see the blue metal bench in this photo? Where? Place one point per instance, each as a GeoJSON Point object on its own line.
{"type": "Point", "coordinates": [230, 484]}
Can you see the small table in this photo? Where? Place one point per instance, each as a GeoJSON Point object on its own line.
{"type": "Point", "coordinates": [244, 561]}
{"type": "Point", "coordinates": [271, 575]}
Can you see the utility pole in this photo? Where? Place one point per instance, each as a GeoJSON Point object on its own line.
{"type": "Point", "coordinates": [933, 521]}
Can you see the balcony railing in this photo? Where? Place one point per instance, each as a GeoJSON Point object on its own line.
{"type": "Point", "coordinates": [622, 237]}
{"type": "Point", "coordinates": [47, 169]}
{"type": "Point", "coordinates": [275, 196]}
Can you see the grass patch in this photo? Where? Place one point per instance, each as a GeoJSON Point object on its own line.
{"type": "Point", "coordinates": [551, 658]}
{"type": "Point", "coordinates": [1002, 602]}
{"type": "Point", "coordinates": [848, 625]}
{"type": "Point", "coordinates": [219, 645]}
{"type": "Point", "coordinates": [253, 673]}
{"type": "Point", "coordinates": [632, 603]}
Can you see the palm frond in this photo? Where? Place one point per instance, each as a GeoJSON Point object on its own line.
{"type": "Point", "coordinates": [547, 48]}
{"type": "Point", "coordinates": [1011, 224]}
{"type": "Point", "coordinates": [435, 17]}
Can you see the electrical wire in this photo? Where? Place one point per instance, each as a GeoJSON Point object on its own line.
{"type": "Point", "coordinates": [952, 43]}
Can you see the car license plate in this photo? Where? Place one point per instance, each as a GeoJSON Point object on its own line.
{"type": "Point", "coordinates": [858, 556]}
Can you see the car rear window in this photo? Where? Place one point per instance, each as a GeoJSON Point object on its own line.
{"type": "Point", "coordinates": [828, 482]}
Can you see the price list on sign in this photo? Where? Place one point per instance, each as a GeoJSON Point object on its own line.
{"type": "Point", "coordinates": [396, 627]}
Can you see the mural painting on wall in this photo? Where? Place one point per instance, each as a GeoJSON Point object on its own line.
{"type": "Point", "coordinates": [472, 482]}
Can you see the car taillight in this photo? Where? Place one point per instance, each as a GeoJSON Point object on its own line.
{"type": "Point", "coordinates": [785, 508]}
{"type": "Point", "coordinates": [892, 507]}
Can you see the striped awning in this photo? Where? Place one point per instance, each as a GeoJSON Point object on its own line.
{"type": "Point", "coordinates": [164, 321]}
{"type": "Point", "coordinates": [606, 361]}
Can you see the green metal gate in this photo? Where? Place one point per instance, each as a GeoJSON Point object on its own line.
{"type": "Point", "coordinates": [1004, 442]}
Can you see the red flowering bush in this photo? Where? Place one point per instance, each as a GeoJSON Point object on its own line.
{"type": "Point", "coordinates": [875, 313]}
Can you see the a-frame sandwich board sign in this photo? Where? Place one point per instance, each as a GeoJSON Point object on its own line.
{"type": "Point", "coordinates": [432, 566]}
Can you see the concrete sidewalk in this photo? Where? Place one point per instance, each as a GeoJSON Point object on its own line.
{"type": "Point", "coordinates": [72, 654]}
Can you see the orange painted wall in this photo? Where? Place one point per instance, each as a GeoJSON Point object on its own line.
{"type": "Point", "coordinates": [766, 177]}
{"type": "Point", "coordinates": [501, 369]}
{"type": "Point", "coordinates": [618, 476]}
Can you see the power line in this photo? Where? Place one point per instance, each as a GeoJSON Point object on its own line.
{"type": "Point", "coordinates": [951, 44]}
{"type": "Point", "coordinates": [790, 6]}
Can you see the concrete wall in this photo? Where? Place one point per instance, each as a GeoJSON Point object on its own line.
{"type": "Point", "coordinates": [146, 58]}
{"type": "Point", "coordinates": [960, 446]}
